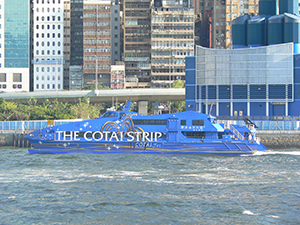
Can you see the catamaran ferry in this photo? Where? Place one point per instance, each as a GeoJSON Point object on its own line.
{"type": "Point", "coordinates": [125, 131]}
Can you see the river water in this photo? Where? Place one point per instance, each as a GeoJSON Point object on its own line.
{"type": "Point", "coordinates": [149, 189]}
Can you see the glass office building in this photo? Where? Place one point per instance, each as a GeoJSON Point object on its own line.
{"type": "Point", "coordinates": [16, 25]}
{"type": "Point", "coordinates": [14, 45]}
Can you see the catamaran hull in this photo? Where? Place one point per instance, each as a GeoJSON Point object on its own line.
{"type": "Point", "coordinates": [229, 148]}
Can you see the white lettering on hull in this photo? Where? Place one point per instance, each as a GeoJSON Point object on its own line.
{"type": "Point", "coordinates": [108, 136]}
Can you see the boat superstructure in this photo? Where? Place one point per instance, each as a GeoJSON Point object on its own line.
{"type": "Point", "coordinates": [125, 131]}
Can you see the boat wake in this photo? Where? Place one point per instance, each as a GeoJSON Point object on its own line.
{"type": "Point", "coordinates": [276, 153]}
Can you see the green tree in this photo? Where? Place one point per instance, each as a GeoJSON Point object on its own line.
{"type": "Point", "coordinates": [178, 84]}
{"type": "Point", "coordinates": [92, 87]}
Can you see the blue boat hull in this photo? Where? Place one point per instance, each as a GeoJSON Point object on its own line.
{"type": "Point", "coordinates": [221, 148]}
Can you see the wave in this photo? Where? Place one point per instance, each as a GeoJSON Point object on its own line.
{"type": "Point", "coordinates": [276, 153]}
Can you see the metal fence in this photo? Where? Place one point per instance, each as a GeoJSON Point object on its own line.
{"type": "Point", "coordinates": [39, 124]}
{"type": "Point", "coordinates": [31, 125]}
{"type": "Point", "coordinates": [267, 125]}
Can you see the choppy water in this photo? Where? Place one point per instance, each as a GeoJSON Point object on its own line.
{"type": "Point", "coordinates": [149, 189]}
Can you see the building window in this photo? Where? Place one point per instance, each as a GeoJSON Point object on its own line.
{"type": "Point", "coordinates": [37, 86]}
{"type": "Point", "coordinates": [17, 77]}
{"type": "Point", "coordinates": [3, 77]}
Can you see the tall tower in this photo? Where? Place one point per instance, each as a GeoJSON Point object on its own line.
{"type": "Point", "coordinates": [14, 45]}
{"type": "Point", "coordinates": [76, 55]}
{"type": "Point", "coordinates": [67, 41]}
{"type": "Point", "coordinates": [48, 35]}
{"type": "Point", "coordinates": [172, 39]}
{"type": "Point", "coordinates": [137, 41]}
{"type": "Point", "coordinates": [96, 42]}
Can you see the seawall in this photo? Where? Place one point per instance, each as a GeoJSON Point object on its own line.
{"type": "Point", "coordinates": [280, 139]}
{"type": "Point", "coordinates": [13, 139]}
{"type": "Point", "coordinates": [271, 139]}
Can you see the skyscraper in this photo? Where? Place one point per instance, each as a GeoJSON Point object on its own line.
{"type": "Point", "coordinates": [172, 39]}
{"type": "Point", "coordinates": [137, 41]}
{"type": "Point", "coordinates": [14, 45]}
{"type": "Point", "coordinates": [100, 22]}
{"type": "Point", "coordinates": [48, 45]}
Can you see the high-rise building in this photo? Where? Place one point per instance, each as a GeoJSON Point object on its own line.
{"type": "Point", "coordinates": [14, 45]}
{"type": "Point", "coordinates": [67, 45]}
{"type": "Point", "coordinates": [76, 55]}
{"type": "Point", "coordinates": [172, 39]}
{"type": "Point", "coordinates": [100, 22]}
{"type": "Point", "coordinates": [115, 33]}
{"type": "Point", "coordinates": [48, 34]}
{"type": "Point", "coordinates": [137, 39]}
{"type": "Point", "coordinates": [216, 18]}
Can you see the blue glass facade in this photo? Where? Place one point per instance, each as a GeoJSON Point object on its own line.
{"type": "Point", "coordinates": [16, 27]}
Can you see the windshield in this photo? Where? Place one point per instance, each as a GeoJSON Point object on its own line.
{"type": "Point", "coordinates": [108, 114]}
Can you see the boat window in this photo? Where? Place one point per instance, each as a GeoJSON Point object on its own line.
{"type": "Point", "coordinates": [191, 134]}
{"type": "Point", "coordinates": [108, 114]}
{"type": "Point", "coordinates": [220, 135]}
{"type": "Point", "coordinates": [183, 122]}
{"type": "Point", "coordinates": [198, 122]}
{"type": "Point", "coordinates": [150, 122]}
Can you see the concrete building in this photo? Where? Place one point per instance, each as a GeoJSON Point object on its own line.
{"type": "Point", "coordinates": [137, 39]}
{"type": "Point", "coordinates": [172, 39]}
{"type": "Point", "coordinates": [48, 36]}
{"type": "Point", "coordinates": [14, 45]}
{"type": "Point", "coordinates": [118, 76]}
{"type": "Point", "coordinates": [96, 42]}
{"type": "Point", "coordinates": [101, 40]}
{"type": "Point", "coordinates": [216, 18]}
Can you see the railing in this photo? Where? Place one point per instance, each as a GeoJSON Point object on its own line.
{"type": "Point", "coordinates": [236, 133]}
{"type": "Point", "coordinates": [262, 118]}
{"type": "Point", "coordinates": [39, 124]}
{"type": "Point", "coordinates": [30, 125]}
{"type": "Point", "coordinates": [267, 125]}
